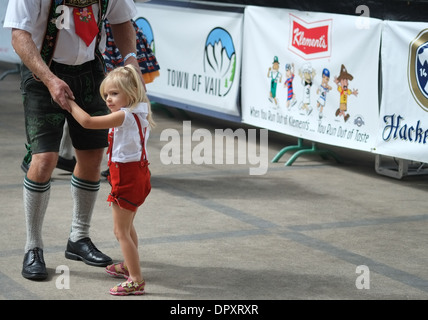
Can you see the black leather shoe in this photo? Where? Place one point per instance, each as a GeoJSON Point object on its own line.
{"type": "Point", "coordinates": [66, 164]}
{"type": "Point", "coordinates": [84, 250]}
{"type": "Point", "coordinates": [63, 164]}
{"type": "Point", "coordinates": [105, 173]}
{"type": "Point", "coordinates": [34, 267]}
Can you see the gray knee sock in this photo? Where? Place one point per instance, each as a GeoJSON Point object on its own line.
{"type": "Point", "coordinates": [84, 194]}
{"type": "Point", "coordinates": [36, 199]}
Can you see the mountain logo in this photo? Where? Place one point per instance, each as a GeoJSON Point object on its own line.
{"type": "Point", "coordinates": [417, 69]}
{"type": "Point", "coordinates": [220, 60]}
{"type": "Point", "coordinates": [310, 40]}
{"type": "Point", "coordinates": [147, 30]}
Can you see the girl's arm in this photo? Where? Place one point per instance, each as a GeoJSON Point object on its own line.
{"type": "Point", "coordinates": [111, 120]}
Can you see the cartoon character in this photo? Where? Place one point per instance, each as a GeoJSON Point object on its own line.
{"type": "Point", "coordinates": [307, 73]}
{"type": "Point", "coordinates": [322, 91]}
{"type": "Point", "coordinates": [289, 73]}
{"type": "Point", "coordinates": [342, 86]}
{"type": "Point", "coordinates": [275, 77]}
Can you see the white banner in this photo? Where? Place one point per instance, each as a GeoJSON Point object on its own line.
{"type": "Point", "coordinates": [199, 53]}
{"type": "Point", "coordinates": [403, 120]}
{"type": "Point", "coordinates": [312, 75]}
{"type": "Point", "coordinates": [7, 53]}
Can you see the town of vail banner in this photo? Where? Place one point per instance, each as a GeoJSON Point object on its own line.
{"type": "Point", "coordinates": [403, 119]}
{"type": "Point", "coordinates": [312, 75]}
{"type": "Point", "coordinates": [199, 53]}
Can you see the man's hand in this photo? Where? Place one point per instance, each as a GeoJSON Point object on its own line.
{"type": "Point", "coordinates": [30, 56]}
{"type": "Point", "coordinates": [60, 92]}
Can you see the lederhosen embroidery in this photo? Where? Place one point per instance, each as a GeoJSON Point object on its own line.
{"type": "Point", "coordinates": [51, 35]}
{"type": "Point", "coordinates": [80, 3]}
{"type": "Point", "coordinates": [49, 40]}
{"type": "Point", "coordinates": [101, 16]}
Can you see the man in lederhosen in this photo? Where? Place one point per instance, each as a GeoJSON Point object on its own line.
{"type": "Point", "coordinates": [60, 44]}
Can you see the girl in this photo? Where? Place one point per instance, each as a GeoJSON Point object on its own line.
{"type": "Point", "coordinates": [129, 121]}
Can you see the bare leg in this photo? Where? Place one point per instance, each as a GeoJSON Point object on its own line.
{"type": "Point", "coordinates": [126, 235]}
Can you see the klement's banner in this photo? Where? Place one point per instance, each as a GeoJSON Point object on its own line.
{"type": "Point", "coordinates": [403, 120]}
{"type": "Point", "coordinates": [199, 53]}
{"type": "Point", "coordinates": [312, 75]}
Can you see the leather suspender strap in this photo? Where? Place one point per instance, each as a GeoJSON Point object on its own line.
{"type": "Point", "coordinates": [49, 42]}
{"type": "Point", "coordinates": [51, 34]}
{"type": "Point", "coordinates": [102, 9]}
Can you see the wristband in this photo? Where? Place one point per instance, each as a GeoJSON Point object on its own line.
{"type": "Point", "coordinates": [131, 54]}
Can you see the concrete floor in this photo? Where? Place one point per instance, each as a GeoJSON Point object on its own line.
{"type": "Point", "coordinates": [311, 231]}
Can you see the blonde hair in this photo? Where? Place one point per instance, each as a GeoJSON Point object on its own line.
{"type": "Point", "coordinates": [129, 80]}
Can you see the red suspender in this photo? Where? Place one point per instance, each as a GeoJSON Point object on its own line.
{"type": "Point", "coordinates": [142, 137]}
{"type": "Point", "coordinates": [143, 151]}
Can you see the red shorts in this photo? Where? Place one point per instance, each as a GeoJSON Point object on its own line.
{"type": "Point", "coordinates": [130, 184]}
